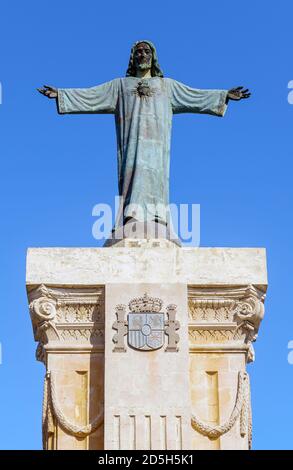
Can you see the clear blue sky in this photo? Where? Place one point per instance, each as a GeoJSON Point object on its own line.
{"type": "Point", "coordinates": [54, 169]}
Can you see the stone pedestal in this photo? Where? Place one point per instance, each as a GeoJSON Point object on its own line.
{"type": "Point", "coordinates": [146, 344]}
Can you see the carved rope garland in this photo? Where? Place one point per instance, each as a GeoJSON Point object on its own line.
{"type": "Point", "coordinates": [246, 414]}
{"type": "Point", "coordinates": [241, 408]}
{"type": "Point", "coordinates": [50, 398]}
{"type": "Point", "coordinates": [45, 412]}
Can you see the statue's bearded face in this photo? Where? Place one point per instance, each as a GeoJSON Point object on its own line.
{"type": "Point", "coordinates": [143, 56]}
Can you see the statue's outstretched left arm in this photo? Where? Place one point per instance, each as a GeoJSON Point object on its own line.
{"type": "Point", "coordinates": [185, 99]}
{"type": "Point", "coordinates": [238, 93]}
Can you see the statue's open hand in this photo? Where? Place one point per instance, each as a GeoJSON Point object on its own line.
{"type": "Point", "coordinates": [238, 93]}
{"type": "Point", "coordinates": [48, 91]}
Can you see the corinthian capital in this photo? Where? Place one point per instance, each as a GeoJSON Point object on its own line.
{"type": "Point", "coordinates": [67, 318]}
{"type": "Point", "coordinates": [249, 312]}
{"type": "Point", "coordinates": [225, 318]}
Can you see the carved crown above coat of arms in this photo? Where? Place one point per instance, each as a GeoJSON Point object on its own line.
{"type": "Point", "coordinates": [145, 304]}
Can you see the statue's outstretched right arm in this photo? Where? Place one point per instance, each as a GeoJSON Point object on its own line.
{"type": "Point", "coordinates": [48, 91]}
{"type": "Point", "coordinates": [97, 99]}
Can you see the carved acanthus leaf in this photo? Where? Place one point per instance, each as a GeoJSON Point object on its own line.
{"type": "Point", "coordinates": [67, 314]}
{"type": "Point", "coordinates": [225, 315]}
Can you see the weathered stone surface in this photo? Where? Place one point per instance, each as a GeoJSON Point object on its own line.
{"type": "Point", "coordinates": [98, 266]}
{"type": "Point", "coordinates": [147, 400]}
{"type": "Point", "coordinates": [190, 389]}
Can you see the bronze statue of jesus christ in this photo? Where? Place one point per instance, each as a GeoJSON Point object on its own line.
{"type": "Point", "coordinates": [143, 103]}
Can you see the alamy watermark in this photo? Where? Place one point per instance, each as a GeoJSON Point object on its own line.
{"type": "Point", "coordinates": [179, 220]}
{"type": "Point", "coordinates": [290, 94]}
{"type": "Point", "coordinates": [290, 354]}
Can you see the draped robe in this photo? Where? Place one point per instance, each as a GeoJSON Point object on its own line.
{"type": "Point", "coordinates": [143, 129]}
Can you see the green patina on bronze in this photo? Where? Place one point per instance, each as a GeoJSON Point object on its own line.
{"type": "Point", "coordinates": [143, 109]}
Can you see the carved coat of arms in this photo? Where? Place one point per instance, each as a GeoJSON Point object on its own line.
{"type": "Point", "coordinates": [146, 325]}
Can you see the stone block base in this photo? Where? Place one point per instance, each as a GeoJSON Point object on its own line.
{"type": "Point", "coordinates": [145, 345]}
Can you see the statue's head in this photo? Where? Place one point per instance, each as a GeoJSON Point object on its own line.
{"type": "Point", "coordinates": [143, 57]}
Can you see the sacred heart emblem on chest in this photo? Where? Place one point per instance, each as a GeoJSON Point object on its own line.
{"type": "Point", "coordinates": [143, 90]}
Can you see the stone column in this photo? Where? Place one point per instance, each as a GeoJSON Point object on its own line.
{"type": "Point", "coordinates": [69, 326]}
{"type": "Point", "coordinates": [223, 323]}
{"type": "Point", "coordinates": [146, 344]}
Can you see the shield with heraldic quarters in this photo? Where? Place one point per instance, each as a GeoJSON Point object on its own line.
{"type": "Point", "coordinates": [146, 330]}
{"type": "Point", "coordinates": [146, 323]}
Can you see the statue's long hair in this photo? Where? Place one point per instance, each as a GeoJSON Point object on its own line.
{"type": "Point", "coordinates": [156, 70]}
